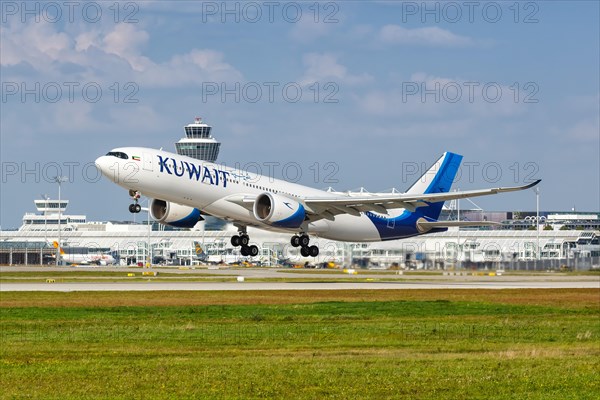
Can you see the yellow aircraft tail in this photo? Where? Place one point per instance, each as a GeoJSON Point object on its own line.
{"type": "Point", "coordinates": [55, 244]}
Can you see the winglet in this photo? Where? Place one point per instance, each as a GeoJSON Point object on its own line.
{"type": "Point", "coordinates": [532, 184]}
{"type": "Point", "coordinates": [517, 188]}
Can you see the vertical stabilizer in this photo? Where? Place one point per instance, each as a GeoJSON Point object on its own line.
{"type": "Point", "coordinates": [438, 179]}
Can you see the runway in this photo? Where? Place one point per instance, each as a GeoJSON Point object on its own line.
{"type": "Point", "coordinates": [229, 286]}
{"type": "Point", "coordinates": [225, 279]}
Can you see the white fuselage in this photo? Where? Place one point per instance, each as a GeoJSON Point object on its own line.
{"type": "Point", "coordinates": [211, 187]}
{"type": "Point", "coordinates": [100, 259]}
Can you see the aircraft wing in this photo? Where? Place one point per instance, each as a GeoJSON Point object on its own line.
{"type": "Point", "coordinates": [328, 207]}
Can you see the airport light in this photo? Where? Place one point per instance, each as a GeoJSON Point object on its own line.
{"type": "Point", "coordinates": [46, 198]}
{"type": "Point", "coordinates": [537, 219]}
{"type": "Point", "coordinates": [458, 252]}
{"type": "Point", "coordinates": [149, 261]}
{"type": "Point", "coordinates": [148, 229]}
{"type": "Point", "coordinates": [59, 180]}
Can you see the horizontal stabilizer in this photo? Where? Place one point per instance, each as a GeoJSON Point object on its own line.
{"type": "Point", "coordinates": [447, 224]}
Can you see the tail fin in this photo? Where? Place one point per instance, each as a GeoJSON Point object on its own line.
{"type": "Point", "coordinates": [438, 179]}
{"type": "Point", "coordinates": [200, 254]}
{"type": "Point", "coordinates": [55, 244]}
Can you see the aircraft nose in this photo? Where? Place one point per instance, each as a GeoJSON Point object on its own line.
{"type": "Point", "coordinates": [102, 163]}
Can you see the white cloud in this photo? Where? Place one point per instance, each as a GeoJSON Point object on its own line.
{"type": "Point", "coordinates": [423, 95]}
{"type": "Point", "coordinates": [125, 41]}
{"type": "Point", "coordinates": [108, 54]}
{"type": "Point", "coordinates": [325, 67]}
{"type": "Point", "coordinates": [34, 43]}
{"type": "Point", "coordinates": [194, 67]}
{"type": "Point", "coordinates": [86, 39]}
{"type": "Point", "coordinates": [429, 36]}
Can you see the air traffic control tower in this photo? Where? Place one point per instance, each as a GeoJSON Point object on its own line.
{"type": "Point", "coordinates": [198, 142]}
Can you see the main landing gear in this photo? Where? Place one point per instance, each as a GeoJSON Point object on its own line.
{"type": "Point", "coordinates": [135, 207]}
{"type": "Point", "coordinates": [302, 241]}
{"type": "Point", "coordinates": [242, 240]}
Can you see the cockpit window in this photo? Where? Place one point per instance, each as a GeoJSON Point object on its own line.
{"type": "Point", "coordinates": [118, 154]}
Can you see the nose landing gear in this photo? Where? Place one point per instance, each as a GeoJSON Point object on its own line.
{"type": "Point", "coordinates": [135, 207]}
{"type": "Point", "coordinates": [302, 241]}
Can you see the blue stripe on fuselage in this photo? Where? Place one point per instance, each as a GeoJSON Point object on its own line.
{"type": "Point", "coordinates": [405, 225]}
{"type": "Point", "coordinates": [402, 226]}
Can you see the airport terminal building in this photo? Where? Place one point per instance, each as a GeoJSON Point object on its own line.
{"type": "Point", "coordinates": [567, 240]}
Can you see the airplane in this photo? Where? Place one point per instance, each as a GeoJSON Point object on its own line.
{"type": "Point", "coordinates": [200, 253]}
{"type": "Point", "coordinates": [83, 259]}
{"type": "Point", "coordinates": [182, 189]}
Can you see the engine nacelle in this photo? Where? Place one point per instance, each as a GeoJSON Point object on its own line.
{"type": "Point", "coordinates": [174, 214]}
{"type": "Point", "coordinates": [279, 211]}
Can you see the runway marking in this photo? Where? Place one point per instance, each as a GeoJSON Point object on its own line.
{"type": "Point", "coordinates": [228, 286]}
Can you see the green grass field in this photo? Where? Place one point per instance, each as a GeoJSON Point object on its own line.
{"type": "Point", "coordinates": [419, 344]}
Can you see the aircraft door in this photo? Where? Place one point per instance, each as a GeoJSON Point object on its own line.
{"type": "Point", "coordinates": [147, 161]}
{"type": "Point", "coordinates": [391, 223]}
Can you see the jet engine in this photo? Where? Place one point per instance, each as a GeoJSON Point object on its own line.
{"type": "Point", "coordinates": [279, 211]}
{"type": "Point", "coordinates": [174, 214]}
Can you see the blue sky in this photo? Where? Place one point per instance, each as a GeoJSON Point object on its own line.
{"type": "Point", "coordinates": [397, 86]}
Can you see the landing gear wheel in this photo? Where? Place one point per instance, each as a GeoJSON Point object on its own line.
{"type": "Point", "coordinates": [244, 240]}
{"type": "Point", "coordinates": [304, 251]}
{"type": "Point", "coordinates": [295, 241]}
{"type": "Point", "coordinates": [304, 240]}
{"type": "Point", "coordinates": [244, 251]}
{"type": "Point", "coordinates": [314, 251]}
{"type": "Point", "coordinates": [235, 241]}
{"type": "Point", "coordinates": [253, 251]}
{"type": "Point", "coordinates": [135, 196]}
